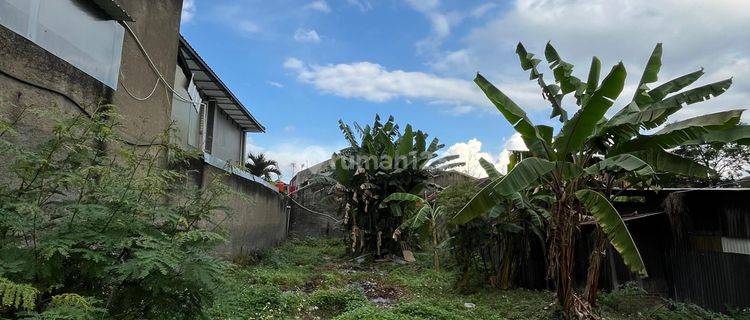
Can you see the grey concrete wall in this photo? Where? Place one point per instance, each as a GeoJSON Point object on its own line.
{"type": "Point", "coordinates": [258, 218]}
{"type": "Point", "coordinates": [315, 213]}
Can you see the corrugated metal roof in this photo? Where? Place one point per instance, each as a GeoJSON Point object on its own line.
{"type": "Point", "coordinates": [212, 88]}
{"type": "Point", "coordinates": [113, 10]}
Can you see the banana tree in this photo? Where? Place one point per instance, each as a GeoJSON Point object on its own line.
{"type": "Point", "coordinates": [425, 219]}
{"type": "Point", "coordinates": [383, 161]}
{"type": "Point", "coordinates": [592, 153]}
{"type": "Point", "coordinates": [519, 224]}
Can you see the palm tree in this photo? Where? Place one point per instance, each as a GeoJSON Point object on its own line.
{"type": "Point", "coordinates": [592, 154]}
{"type": "Point", "coordinates": [260, 166]}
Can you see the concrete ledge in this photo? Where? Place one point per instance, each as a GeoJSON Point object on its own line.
{"type": "Point", "coordinates": [227, 167]}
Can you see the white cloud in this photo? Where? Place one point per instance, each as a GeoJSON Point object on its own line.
{"type": "Point", "coordinates": [319, 5]}
{"type": "Point", "coordinates": [695, 33]}
{"type": "Point", "coordinates": [275, 84]}
{"type": "Point", "coordinates": [362, 5]}
{"type": "Point", "coordinates": [373, 82]}
{"type": "Point", "coordinates": [306, 35]}
{"type": "Point", "coordinates": [294, 64]}
{"type": "Point", "coordinates": [461, 109]}
{"type": "Point", "coordinates": [440, 23]}
{"type": "Point", "coordinates": [294, 155]}
{"type": "Point", "coordinates": [290, 128]}
{"type": "Point", "coordinates": [238, 18]}
{"type": "Point", "coordinates": [188, 11]}
{"type": "Point", "coordinates": [471, 151]}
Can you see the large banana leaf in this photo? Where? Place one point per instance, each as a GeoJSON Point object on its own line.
{"type": "Point", "coordinates": [614, 227]}
{"type": "Point", "coordinates": [622, 162]}
{"type": "Point", "coordinates": [488, 167]}
{"type": "Point", "coordinates": [348, 134]}
{"type": "Point", "coordinates": [739, 134]}
{"type": "Point", "coordinates": [576, 131]}
{"type": "Point", "coordinates": [443, 160]}
{"type": "Point", "coordinates": [419, 222]}
{"type": "Point", "coordinates": [674, 85]}
{"type": "Point", "coordinates": [650, 75]}
{"type": "Point", "coordinates": [562, 71]}
{"type": "Point", "coordinates": [516, 116]}
{"type": "Point", "coordinates": [525, 174]}
{"type": "Point", "coordinates": [675, 134]}
{"type": "Point", "coordinates": [675, 102]}
{"type": "Point", "coordinates": [665, 162]}
{"type": "Point", "coordinates": [406, 142]}
{"type": "Point", "coordinates": [593, 80]}
{"type": "Point", "coordinates": [713, 121]}
{"type": "Point", "coordinates": [341, 173]}
{"type": "Point", "coordinates": [402, 196]}
{"type": "Point", "coordinates": [551, 92]}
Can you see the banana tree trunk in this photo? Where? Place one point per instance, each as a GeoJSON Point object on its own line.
{"type": "Point", "coordinates": [435, 248]}
{"type": "Point", "coordinates": [595, 263]}
{"type": "Point", "coordinates": [562, 251]}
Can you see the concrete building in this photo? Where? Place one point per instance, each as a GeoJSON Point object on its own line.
{"type": "Point", "coordinates": [72, 55]}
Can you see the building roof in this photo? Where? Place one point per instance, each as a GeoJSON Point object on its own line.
{"type": "Point", "coordinates": [113, 10]}
{"type": "Point", "coordinates": [212, 88]}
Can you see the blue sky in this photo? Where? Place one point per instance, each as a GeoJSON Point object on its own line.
{"type": "Point", "coordinates": [299, 66]}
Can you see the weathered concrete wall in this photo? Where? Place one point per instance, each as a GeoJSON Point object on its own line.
{"type": "Point", "coordinates": [258, 217]}
{"type": "Point", "coordinates": [315, 213]}
{"type": "Point", "coordinates": [157, 25]}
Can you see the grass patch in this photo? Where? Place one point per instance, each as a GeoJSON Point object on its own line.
{"type": "Point", "coordinates": [314, 279]}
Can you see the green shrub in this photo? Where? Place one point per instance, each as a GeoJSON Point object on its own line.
{"type": "Point", "coordinates": [81, 213]}
{"type": "Point", "coordinates": [425, 310]}
{"type": "Point", "coordinates": [632, 300]}
{"type": "Point", "coordinates": [257, 302]}
{"type": "Point", "coordinates": [373, 313]}
{"type": "Point", "coordinates": [335, 301]}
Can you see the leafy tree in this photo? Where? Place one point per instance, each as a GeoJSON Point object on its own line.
{"type": "Point", "coordinates": [427, 219]}
{"type": "Point", "coordinates": [591, 154]}
{"type": "Point", "coordinates": [730, 161]}
{"type": "Point", "coordinates": [92, 229]}
{"type": "Point", "coordinates": [258, 165]}
{"type": "Point", "coordinates": [383, 162]}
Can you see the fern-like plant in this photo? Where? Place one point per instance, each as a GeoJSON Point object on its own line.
{"type": "Point", "coordinates": [88, 223]}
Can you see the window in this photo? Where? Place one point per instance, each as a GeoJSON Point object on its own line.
{"type": "Point", "coordinates": [73, 30]}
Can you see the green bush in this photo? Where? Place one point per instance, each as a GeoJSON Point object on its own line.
{"type": "Point", "coordinates": [425, 310]}
{"type": "Point", "coordinates": [82, 214]}
{"type": "Point", "coordinates": [373, 313]}
{"type": "Point", "coordinates": [335, 301]}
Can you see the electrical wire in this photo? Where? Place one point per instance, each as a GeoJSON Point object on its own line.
{"type": "Point", "coordinates": [75, 103]}
{"type": "Point", "coordinates": [313, 211]}
{"type": "Point", "coordinates": [153, 66]}
{"type": "Point", "coordinates": [132, 95]}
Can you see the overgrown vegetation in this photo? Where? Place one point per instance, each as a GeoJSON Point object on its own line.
{"type": "Point", "coordinates": [592, 154]}
{"type": "Point", "coordinates": [383, 161]}
{"type": "Point", "coordinates": [91, 228]}
{"type": "Point", "coordinates": [316, 279]}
